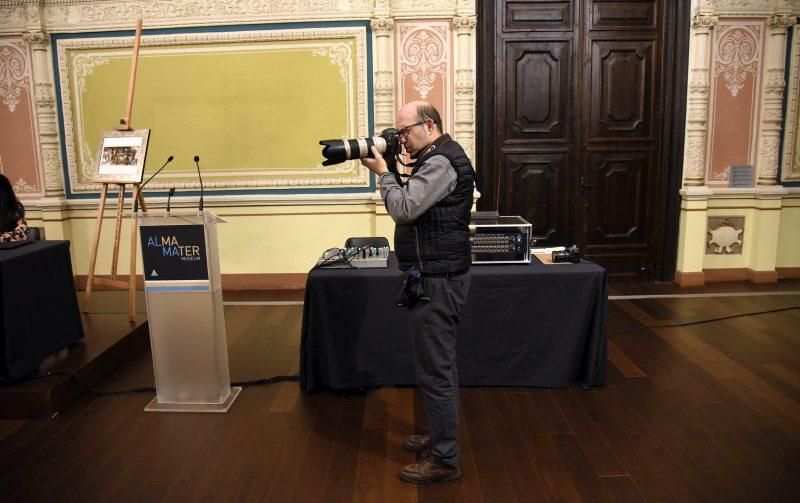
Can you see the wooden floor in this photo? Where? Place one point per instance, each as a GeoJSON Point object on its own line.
{"type": "Point", "coordinates": [707, 412]}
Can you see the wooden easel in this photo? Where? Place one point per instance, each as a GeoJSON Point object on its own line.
{"type": "Point", "coordinates": [124, 125]}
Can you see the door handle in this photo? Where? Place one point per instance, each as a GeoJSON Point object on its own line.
{"type": "Point", "coordinates": [583, 186]}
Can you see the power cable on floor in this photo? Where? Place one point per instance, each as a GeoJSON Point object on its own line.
{"type": "Point", "coordinates": [84, 386]}
{"type": "Point", "coordinates": [686, 324]}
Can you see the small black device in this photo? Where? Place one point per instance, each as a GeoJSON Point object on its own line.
{"type": "Point", "coordinates": [571, 254]}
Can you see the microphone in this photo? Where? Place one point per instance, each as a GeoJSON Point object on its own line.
{"type": "Point", "coordinates": [197, 163]}
{"type": "Point", "coordinates": [171, 193]}
{"type": "Point", "coordinates": [141, 188]}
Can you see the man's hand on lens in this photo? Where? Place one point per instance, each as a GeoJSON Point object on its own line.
{"type": "Point", "coordinates": [376, 164]}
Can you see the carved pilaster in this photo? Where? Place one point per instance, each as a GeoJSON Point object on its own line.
{"type": "Point", "coordinates": [464, 27]}
{"type": "Point", "coordinates": [772, 98]}
{"type": "Point", "coordinates": [697, 109]}
{"type": "Point", "coordinates": [383, 28]}
{"type": "Point", "coordinates": [52, 172]}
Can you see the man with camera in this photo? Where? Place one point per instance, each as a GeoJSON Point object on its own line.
{"type": "Point", "coordinates": [431, 211]}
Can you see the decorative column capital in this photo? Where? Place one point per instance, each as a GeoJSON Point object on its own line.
{"type": "Point", "coordinates": [704, 21]}
{"type": "Point", "coordinates": [780, 22]}
{"type": "Point", "coordinates": [464, 24]}
{"type": "Point", "coordinates": [37, 39]}
{"type": "Point", "coordinates": [382, 26]}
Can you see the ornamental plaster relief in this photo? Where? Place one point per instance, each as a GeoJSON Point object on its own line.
{"type": "Point", "coordinates": [746, 7]}
{"type": "Point", "coordinates": [14, 74]}
{"type": "Point", "coordinates": [18, 141]}
{"type": "Point", "coordinates": [424, 65]}
{"type": "Point", "coordinates": [737, 55]}
{"type": "Point", "coordinates": [424, 57]}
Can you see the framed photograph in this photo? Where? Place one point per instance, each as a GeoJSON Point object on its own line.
{"type": "Point", "coordinates": [121, 156]}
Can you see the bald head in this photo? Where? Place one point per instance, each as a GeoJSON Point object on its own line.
{"type": "Point", "coordinates": [420, 111]}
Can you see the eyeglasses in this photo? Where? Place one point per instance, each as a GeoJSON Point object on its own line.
{"type": "Point", "coordinates": [403, 132]}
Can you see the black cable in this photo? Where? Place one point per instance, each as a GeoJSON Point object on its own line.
{"type": "Point", "coordinates": [342, 259]}
{"type": "Point", "coordinates": [267, 380]}
{"type": "Point", "coordinates": [673, 325]}
{"type": "Point", "coordinates": [84, 386]}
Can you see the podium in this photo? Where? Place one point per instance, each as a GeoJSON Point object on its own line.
{"type": "Point", "coordinates": [183, 290]}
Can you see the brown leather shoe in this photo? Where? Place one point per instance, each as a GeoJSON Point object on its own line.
{"type": "Point", "coordinates": [418, 443]}
{"type": "Point", "coordinates": [429, 469]}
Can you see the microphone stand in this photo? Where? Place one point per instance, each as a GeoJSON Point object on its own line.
{"type": "Point", "coordinates": [136, 201]}
{"type": "Point", "coordinates": [169, 196]}
{"type": "Point", "coordinates": [197, 163]}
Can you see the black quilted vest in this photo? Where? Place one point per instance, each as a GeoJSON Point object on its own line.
{"type": "Point", "coordinates": [438, 241]}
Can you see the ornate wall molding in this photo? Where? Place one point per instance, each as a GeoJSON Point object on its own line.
{"type": "Point", "coordinates": [75, 141]}
{"type": "Point", "coordinates": [744, 8]}
{"type": "Point", "coordinates": [790, 162]}
{"type": "Point", "coordinates": [738, 55]}
{"type": "Point", "coordinates": [697, 107]}
{"type": "Point", "coordinates": [424, 57]}
{"type": "Point", "coordinates": [772, 98]}
{"type": "Point", "coordinates": [737, 62]}
{"type": "Point", "coordinates": [14, 74]}
{"type": "Point", "coordinates": [464, 24]}
{"type": "Point", "coordinates": [736, 83]}
{"type": "Point", "coordinates": [18, 117]}
{"type": "Point", "coordinates": [85, 15]}
{"type": "Point", "coordinates": [383, 31]}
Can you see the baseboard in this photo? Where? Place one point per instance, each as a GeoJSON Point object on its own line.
{"type": "Point", "coordinates": [689, 278]}
{"type": "Point", "coordinates": [277, 281]}
{"type": "Point", "coordinates": [684, 279]}
{"type": "Point", "coordinates": [762, 276]}
{"type": "Point", "coordinates": [723, 275]}
{"type": "Point", "coordinates": [788, 272]}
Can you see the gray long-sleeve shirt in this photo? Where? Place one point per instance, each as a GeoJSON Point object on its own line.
{"type": "Point", "coordinates": [430, 184]}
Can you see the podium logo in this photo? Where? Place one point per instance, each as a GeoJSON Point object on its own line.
{"type": "Point", "coordinates": [170, 247]}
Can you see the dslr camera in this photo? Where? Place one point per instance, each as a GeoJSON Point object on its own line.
{"type": "Point", "coordinates": [387, 143]}
{"type": "Point", "coordinates": [571, 254]}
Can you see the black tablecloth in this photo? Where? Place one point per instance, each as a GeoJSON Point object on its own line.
{"type": "Point", "coordinates": [522, 325]}
{"type": "Point", "coordinates": [40, 314]}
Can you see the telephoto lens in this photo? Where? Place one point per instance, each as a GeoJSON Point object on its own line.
{"type": "Point", "coordinates": [337, 151]}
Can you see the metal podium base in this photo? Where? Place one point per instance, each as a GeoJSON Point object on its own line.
{"type": "Point", "coordinates": [154, 406]}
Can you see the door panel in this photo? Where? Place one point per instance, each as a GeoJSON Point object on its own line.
{"type": "Point", "coordinates": [624, 16]}
{"type": "Point", "coordinates": [530, 16]}
{"type": "Point", "coordinates": [622, 89]}
{"type": "Point", "coordinates": [617, 198]}
{"type": "Point", "coordinates": [536, 184]}
{"type": "Point", "coordinates": [537, 82]}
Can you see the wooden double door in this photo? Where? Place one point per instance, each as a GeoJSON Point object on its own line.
{"type": "Point", "coordinates": [576, 105]}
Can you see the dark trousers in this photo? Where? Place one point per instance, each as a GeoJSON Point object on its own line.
{"type": "Point", "coordinates": [433, 334]}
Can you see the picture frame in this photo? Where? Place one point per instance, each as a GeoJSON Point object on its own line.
{"type": "Point", "coordinates": [121, 156]}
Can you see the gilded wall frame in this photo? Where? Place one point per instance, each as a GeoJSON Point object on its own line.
{"type": "Point", "coordinates": [790, 160]}
{"type": "Point", "coordinates": [338, 52]}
